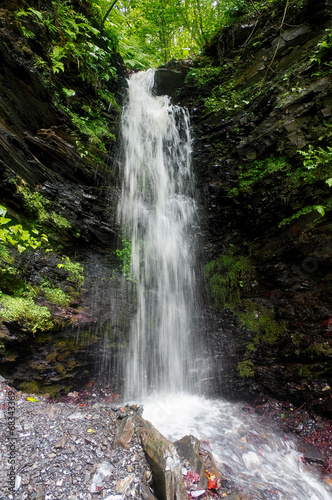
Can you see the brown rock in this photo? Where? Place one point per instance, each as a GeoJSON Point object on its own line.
{"type": "Point", "coordinates": [164, 462]}
{"type": "Point", "coordinates": [188, 449]}
{"type": "Point", "coordinates": [124, 433]}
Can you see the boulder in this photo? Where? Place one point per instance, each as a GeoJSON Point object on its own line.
{"type": "Point", "coordinates": [188, 449]}
{"type": "Point", "coordinates": [165, 463]}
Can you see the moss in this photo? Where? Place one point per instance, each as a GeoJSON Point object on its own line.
{"type": "Point", "coordinates": [304, 371]}
{"type": "Point", "coordinates": [42, 338]}
{"type": "Point", "coordinates": [55, 390]}
{"type": "Point", "coordinates": [51, 356]}
{"type": "Point", "coordinates": [75, 271]}
{"type": "Point", "coordinates": [256, 171]}
{"type": "Point", "coordinates": [260, 319]}
{"type": "Point", "coordinates": [60, 369]}
{"type": "Point", "coordinates": [246, 368]}
{"type": "Point", "coordinates": [38, 208]}
{"type": "Point", "coordinates": [56, 296]}
{"type": "Point", "coordinates": [320, 349]}
{"type": "Point", "coordinates": [227, 277]}
{"type": "Point", "coordinates": [230, 278]}
{"type": "Point", "coordinates": [30, 387]}
{"type": "Point", "coordinates": [25, 312]}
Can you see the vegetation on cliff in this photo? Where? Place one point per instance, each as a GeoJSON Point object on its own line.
{"type": "Point", "coordinates": [261, 91]}
{"type": "Point", "coordinates": [258, 85]}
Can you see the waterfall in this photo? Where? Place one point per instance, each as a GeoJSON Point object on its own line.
{"type": "Point", "coordinates": [157, 211]}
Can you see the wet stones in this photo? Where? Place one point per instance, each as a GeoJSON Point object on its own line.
{"type": "Point", "coordinates": [65, 450]}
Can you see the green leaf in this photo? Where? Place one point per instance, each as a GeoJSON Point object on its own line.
{"type": "Point", "coordinates": [36, 13]}
{"type": "Point", "coordinates": [320, 209]}
{"type": "Point", "coordinates": [20, 248]}
{"type": "Point", "coordinates": [3, 220]}
{"type": "Point", "coordinates": [3, 211]}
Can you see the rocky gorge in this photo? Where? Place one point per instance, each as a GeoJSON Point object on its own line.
{"type": "Point", "coordinates": [260, 101]}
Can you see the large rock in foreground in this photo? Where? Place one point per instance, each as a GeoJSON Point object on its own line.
{"type": "Point", "coordinates": [165, 464]}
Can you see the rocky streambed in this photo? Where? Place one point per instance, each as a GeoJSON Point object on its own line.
{"type": "Point", "coordinates": [86, 445]}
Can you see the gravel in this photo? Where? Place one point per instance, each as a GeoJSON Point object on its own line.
{"type": "Point", "coordinates": [69, 450]}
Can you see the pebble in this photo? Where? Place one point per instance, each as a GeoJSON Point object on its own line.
{"type": "Point", "coordinates": [69, 451]}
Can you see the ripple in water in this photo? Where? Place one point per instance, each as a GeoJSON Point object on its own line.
{"type": "Point", "coordinates": [246, 448]}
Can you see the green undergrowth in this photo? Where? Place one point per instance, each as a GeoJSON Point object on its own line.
{"type": "Point", "coordinates": [230, 281]}
{"type": "Point", "coordinates": [25, 312]}
{"type": "Point", "coordinates": [229, 85]}
{"type": "Point", "coordinates": [76, 56]}
{"type": "Point", "coordinates": [39, 209]}
{"type": "Point", "coordinates": [285, 175]}
{"type": "Point", "coordinates": [249, 175]}
{"type": "Point", "coordinates": [74, 270]}
{"type": "Point", "coordinates": [19, 297]}
{"type": "Point", "coordinates": [319, 209]}
{"type": "Point", "coordinates": [124, 255]}
{"type": "Point", "coordinates": [227, 276]}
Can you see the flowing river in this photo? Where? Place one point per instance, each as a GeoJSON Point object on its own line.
{"type": "Point", "coordinates": [158, 214]}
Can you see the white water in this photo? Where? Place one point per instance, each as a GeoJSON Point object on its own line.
{"type": "Point", "coordinates": [157, 212]}
{"type": "Point", "coordinates": [246, 448]}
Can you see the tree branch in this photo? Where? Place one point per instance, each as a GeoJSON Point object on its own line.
{"type": "Point", "coordinates": [106, 15]}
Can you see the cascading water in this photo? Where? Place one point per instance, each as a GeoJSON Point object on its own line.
{"type": "Point", "coordinates": [157, 212]}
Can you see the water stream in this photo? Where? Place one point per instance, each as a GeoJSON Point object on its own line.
{"type": "Point", "coordinates": [158, 214]}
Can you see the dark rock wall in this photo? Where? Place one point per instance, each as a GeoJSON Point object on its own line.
{"type": "Point", "coordinates": [39, 155]}
{"type": "Point", "coordinates": [267, 293]}
{"type": "Point", "coordinates": [271, 279]}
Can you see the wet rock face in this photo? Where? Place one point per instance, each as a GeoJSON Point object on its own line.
{"type": "Point", "coordinates": [170, 79]}
{"type": "Point", "coordinates": [38, 151]}
{"type": "Point", "coordinates": [287, 277]}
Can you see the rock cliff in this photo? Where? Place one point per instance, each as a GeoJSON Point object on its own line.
{"type": "Point", "coordinates": [58, 193]}
{"type": "Point", "coordinates": [260, 100]}
{"type": "Point", "coordinates": [260, 97]}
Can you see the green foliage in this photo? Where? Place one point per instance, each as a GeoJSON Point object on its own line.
{"type": "Point", "coordinates": [246, 368]}
{"type": "Point", "coordinates": [318, 158]}
{"type": "Point", "coordinates": [38, 206]}
{"type": "Point", "coordinates": [75, 271]}
{"type": "Point", "coordinates": [226, 99]}
{"type": "Point", "coordinates": [203, 76]}
{"type": "Point", "coordinates": [254, 172]}
{"type": "Point", "coordinates": [25, 312]}
{"type": "Point", "coordinates": [229, 279]}
{"type": "Point", "coordinates": [227, 276]}
{"type": "Point", "coordinates": [317, 166]}
{"type": "Point", "coordinates": [135, 57]}
{"type": "Point", "coordinates": [15, 235]}
{"type": "Point", "coordinates": [306, 210]}
{"type": "Point", "coordinates": [124, 255]}
{"type": "Point", "coordinates": [154, 31]}
{"type": "Point", "coordinates": [73, 39]}
{"type": "Point", "coordinates": [56, 296]}
{"type": "Point", "coordinates": [147, 33]}
{"type": "Point", "coordinates": [323, 51]}
{"type": "Point", "coordinates": [94, 126]}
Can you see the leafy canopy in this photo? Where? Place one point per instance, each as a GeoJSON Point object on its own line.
{"type": "Point", "coordinates": [154, 31]}
{"type": "Point", "coordinates": [146, 32]}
